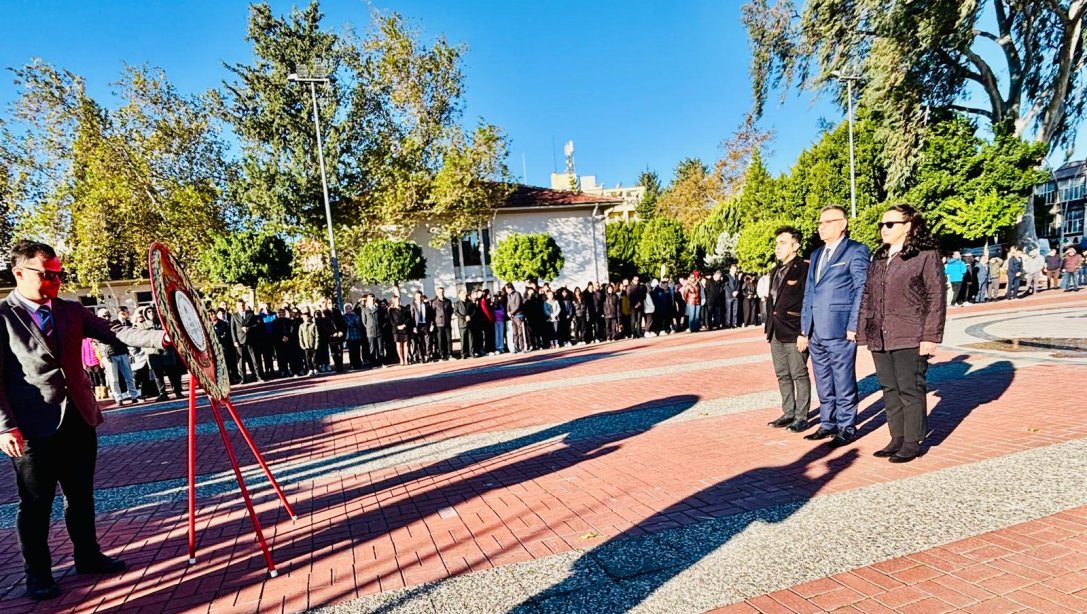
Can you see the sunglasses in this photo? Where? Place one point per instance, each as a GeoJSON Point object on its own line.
{"type": "Point", "coordinates": [61, 276]}
{"type": "Point", "coordinates": [890, 225]}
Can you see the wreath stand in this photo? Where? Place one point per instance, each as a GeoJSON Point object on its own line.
{"type": "Point", "coordinates": [216, 407]}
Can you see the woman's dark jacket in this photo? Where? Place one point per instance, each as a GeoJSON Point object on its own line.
{"type": "Point", "coordinates": [903, 302]}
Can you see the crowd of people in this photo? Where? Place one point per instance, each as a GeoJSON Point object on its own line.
{"type": "Point", "coordinates": [1024, 272]}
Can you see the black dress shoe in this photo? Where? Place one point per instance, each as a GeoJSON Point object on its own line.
{"type": "Point", "coordinates": [820, 434]}
{"type": "Point", "coordinates": [907, 453]}
{"type": "Point", "coordinates": [780, 422]}
{"type": "Point", "coordinates": [894, 446]}
{"type": "Point", "coordinates": [41, 588]}
{"type": "Point", "coordinates": [799, 426]}
{"type": "Point", "coordinates": [101, 564]}
{"type": "Point", "coordinates": [841, 439]}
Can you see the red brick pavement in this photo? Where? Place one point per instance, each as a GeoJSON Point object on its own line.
{"type": "Point", "coordinates": [1037, 566]}
{"type": "Point", "coordinates": [360, 533]}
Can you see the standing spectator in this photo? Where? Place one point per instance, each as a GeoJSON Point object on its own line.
{"type": "Point", "coordinates": [902, 321]}
{"type": "Point", "coordinates": [226, 339]}
{"type": "Point", "coordinates": [283, 329]}
{"type": "Point", "coordinates": [325, 329]}
{"type": "Point", "coordinates": [443, 323]}
{"type": "Point", "coordinates": [486, 322]}
{"type": "Point", "coordinates": [650, 310]}
{"type": "Point", "coordinates": [465, 310]}
{"type": "Point", "coordinates": [1072, 263]}
{"type": "Point", "coordinates": [241, 325]}
{"type": "Point", "coordinates": [1083, 269]}
{"type": "Point", "coordinates": [751, 301]}
{"type": "Point", "coordinates": [516, 315]}
{"type": "Point", "coordinates": [93, 366]}
{"type": "Point", "coordinates": [711, 309]}
{"type": "Point", "coordinates": [996, 265]}
{"type": "Point", "coordinates": [118, 365]}
{"type": "Point", "coordinates": [1014, 266]}
{"type": "Point", "coordinates": [580, 317]}
{"type": "Point", "coordinates": [164, 362]}
{"type": "Point", "coordinates": [422, 317]}
{"type": "Point", "coordinates": [623, 325]}
{"type": "Point", "coordinates": [762, 289]}
{"type": "Point", "coordinates": [611, 313]}
{"type": "Point", "coordinates": [400, 320]}
{"type": "Point", "coordinates": [783, 308]}
{"type": "Point", "coordinates": [983, 280]}
{"type": "Point", "coordinates": [596, 319]}
{"type": "Point", "coordinates": [955, 269]}
{"type": "Point", "coordinates": [535, 321]}
{"type": "Point", "coordinates": [552, 310]}
{"type": "Point", "coordinates": [1033, 266]}
{"type": "Point", "coordinates": [267, 347]}
{"type": "Point", "coordinates": [970, 279]}
{"type": "Point", "coordinates": [498, 308]}
{"type": "Point", "coordinates": [354, 336]}
{"type": "Point", "coordinates": [731, 292]}
{"type": "Point", "coordinates": [679, 306]}
{"type": "Point", "coordinates": [337, 333]}
{"type": "Point", "coordinates": [692, 298]}
{"type": "Point", "coordinates": [636, 293]}
{"type": "Point", "coordinates": [373, 327]}
{"type": "Point", "coordinates": [307, 340]}
{"type": "Point", "coordinates": [1054, 266]}
{"type": "Point", "coordinates": [662, 305]}
{"type": "Point", "coordinates": [832, 295]}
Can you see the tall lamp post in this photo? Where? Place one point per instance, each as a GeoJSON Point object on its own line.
{"type": "Point", "coordinates": [849, 79]}
{"type": "Point", "coordinates": [304, 76]}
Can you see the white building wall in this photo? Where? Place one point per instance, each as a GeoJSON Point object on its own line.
{"type": "Point", "coordinates": [578, 235]}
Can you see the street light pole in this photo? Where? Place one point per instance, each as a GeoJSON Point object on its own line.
{"type": "Point", "coordinates": [313, 81]}
{"type": "Point", "coordinates": [849, 79]}
{"type": "Point", "coordinates": [852, 160]}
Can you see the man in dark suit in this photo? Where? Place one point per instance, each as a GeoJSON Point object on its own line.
{"type": "Point", "coordinates": [787, 281]}
{"type": "Point", "coordinates": [636, 295]}
{"type": "Point", "coordinates": [730, 297]}
{"type": "Point", "coordinates": [48, 411]}
{"type": "Point", "coordinates": [832, 298]}
{"type": "Point", "coordinates": [422, 318]}
{"type": "Point", "coordinates": [443, 323]}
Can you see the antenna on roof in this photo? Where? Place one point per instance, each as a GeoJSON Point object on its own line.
{"type": "Point", "coordinates": [568, 149]}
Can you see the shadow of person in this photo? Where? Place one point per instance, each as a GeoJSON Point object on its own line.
{"type": "Point", "coordinates": [961, 390]}
{"type": "Point", "coordinates": [621, 573]}
{"type": "Point", "coordinates": [492, 467]}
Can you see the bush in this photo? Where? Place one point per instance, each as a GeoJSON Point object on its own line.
{"type": "Point", "coordinates": [527, 256]}
{"type": "Point", "coordinates": [386, 261]}
{"type": "Point", "coordinates": [622, 239]}
{"type": "Point", "coordinates": [247, 258]}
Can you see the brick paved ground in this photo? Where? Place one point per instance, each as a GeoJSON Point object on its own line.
{"type": "Point", "coordinates": [637, 474]}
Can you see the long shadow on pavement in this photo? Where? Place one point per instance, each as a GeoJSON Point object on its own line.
{"type": "Point", "coordinates": [624, 571]}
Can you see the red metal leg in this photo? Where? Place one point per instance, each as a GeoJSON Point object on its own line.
{"type": "Point", "coordinates": [245, 491]}
{"type": "Point", "coordinates": [192, 469]}
{"type": "Point", "coordinates": [260, 458]}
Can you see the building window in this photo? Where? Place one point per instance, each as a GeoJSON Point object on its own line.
{"type": "Point", "coordinates": [469, 249]}
{"type": "Point", "coordinates": [1073, 188]}
{"type": "Point", "coordinates": [143, 298]}
{"type": "Point", "coordinates": [89, 301]}
{"type": "Point", "coordinates": [1073, 224]}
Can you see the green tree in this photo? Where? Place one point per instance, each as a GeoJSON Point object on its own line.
{"type": "Point", "coordinates": [663, 245]}
{"type": "Point", "coordinates": [622, 239]}
{"type": "Point", "coordinates": [247, 258]}
{"type": "Point", "coordinates": [755, 247]}
{"type": "Point", "coordinates": [691, 194]}
{"type": "Point", "coordinates": [647, 207]}
{"type": "Point", "coordinates": [388, 261]}
{"type": "Point", "coordinates": [915, 56]}
{"type": "Point", "coordinates": [534, 256]}
{"type": "Point", "coordinates": [104, 183]}
{"type": "Point", "coordinates": [395, 151]}
{"type": "Point", "coordinates": [984, 216]}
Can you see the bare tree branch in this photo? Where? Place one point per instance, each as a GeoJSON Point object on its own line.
{"type": "Point", "coordinates": [982, 112]}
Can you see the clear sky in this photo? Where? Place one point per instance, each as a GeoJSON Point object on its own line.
{"type": "Point", "coordinates": [635, 85]}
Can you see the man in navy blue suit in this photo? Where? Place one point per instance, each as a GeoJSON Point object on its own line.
{"type": "Point", "coordinates": [828, 321]}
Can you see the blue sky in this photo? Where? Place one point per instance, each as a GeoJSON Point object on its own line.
{"type": "Point", "coordinates": [633, 84]}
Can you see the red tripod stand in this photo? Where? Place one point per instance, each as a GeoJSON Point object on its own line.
{"type": "Point", "coordinates": [215, 411]}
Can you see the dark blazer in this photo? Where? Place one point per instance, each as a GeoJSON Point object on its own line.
{"type": "Point", "coordinates": [831, 304]}
{"type": "Point", "coordinates": [42, 382]}
{"type": "Point", "coordinates": [443, 312]}
{"type": "Point", "coordinates": [903, 302]}
{"type": "Point", "coordinates": [428, 314]}
{"type": "Point", "coordinates": [237, 327]}
{"type": "Point", "coordinates": [371, 322]}
{"type": "Point", "coordinates": [783, 314]}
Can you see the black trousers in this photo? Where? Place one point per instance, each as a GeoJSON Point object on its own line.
{"type": "Point", "coordinates": [444, 337]}
{"type": "Point", "coordinates": [335, 347]}
{"type": "Point", "coordinates": [164, 372]}
{"type": "Point", "coordinates": [729, 315]}
{"type": "Point", "coordinates": [901, 375]}
{"type": "Point", "coordinates": [467, 342]}
{"type": "Point", "coordinates": [283, 358]}
{"type": "Point", "coordinates": [68, 458]}
{"type": "Point", "coordinates": [636, 316]}
{"type": "Point", "coordinates": [354, 353]}
{"type": "Point", "coordinates": [247, 354]}
{"type": "Point", "coordinates": [377, 350]}
{"type": "Point", "coordinates": [610, 330]}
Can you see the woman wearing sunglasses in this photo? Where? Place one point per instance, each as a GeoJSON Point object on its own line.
{"type": "Point", "coordinates": [901, 320]}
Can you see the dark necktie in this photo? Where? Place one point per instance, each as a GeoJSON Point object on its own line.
{"type": "Point", "coordinates": [823, 258]}
{"type": "Point", "coordinates": [45, 314]}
